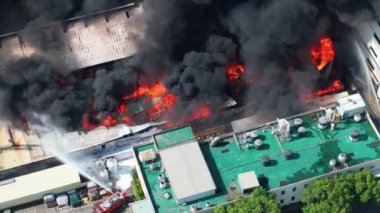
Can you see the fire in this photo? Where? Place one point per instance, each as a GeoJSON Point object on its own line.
{"type": "Point", "coordinates": [322, 53]}
{"type": "Point", "coordinates": [87, 125]}
{"type": "Point", "coordinates": [234, 72]}
{"type": "Point", "coordinates": [156, 94]}
{"type": "Point", "coordinates": [109, 121]}
{"type": "Point", "coordinates": [202, 112]}
{"type": "Point", "coordinates": [157, 99]}
{"type": "Point", "coordinates": [335, 86]}
{"type": "Point", "coordinates": [156, 90]}
{"type": "Point", "coordinates": [234, 75]}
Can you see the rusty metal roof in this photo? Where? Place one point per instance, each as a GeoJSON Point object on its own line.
{"type": "Point", "coordinates": [84, 42]}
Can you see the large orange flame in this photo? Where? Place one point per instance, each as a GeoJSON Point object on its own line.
{"type": "Point", "coordinates": [335, 86]}
{"type": "Point", "coordinates": [202, 112]}
{"type": "Point", "coordinates": [322, 53]}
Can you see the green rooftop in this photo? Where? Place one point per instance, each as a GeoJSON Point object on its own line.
{"type": "Point", "coordinates": [173, 137]}
{"type": "Point", "coordinates": [311, 156]}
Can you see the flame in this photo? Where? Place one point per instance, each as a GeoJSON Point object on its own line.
{"type": "Point", "coordinates": [234, 75]}
{"type": "Point", "coordinates": [322, 53]}
{"type": "Point", "coordinates": [156, 94]}
{"type": "Point", "coordinates": [87, 125]}
{"type": "Point", "coordinates": [156, 98]}
{"type": "Point", "coordinates": [335, 86]}
{"type": "Point", "coordinates": [202, 112]}
{"type": "Point", "coordinates": [234, 72]}
{"type": "Point", "coordinates": [109, 121]}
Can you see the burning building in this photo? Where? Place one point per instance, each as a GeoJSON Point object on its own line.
{"type": "Point", "coordinates": [178, 62]}
{"type": "Point", "coordinates": [177, 75]}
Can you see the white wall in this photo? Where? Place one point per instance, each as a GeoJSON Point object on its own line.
{"type": "Point", "coordinates": [196, 197]}
{"type": "Point", "coordinates": [285, 195]}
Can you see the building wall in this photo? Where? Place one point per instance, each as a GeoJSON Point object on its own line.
{"type": "Point", "coordinates": [368, 37]}
{"type": "Point", "coordinates": [39, 196]}
{"type": "Point", "coordinates": [195, 197]}
{"type": "Point", "coordinates": [292, 193]}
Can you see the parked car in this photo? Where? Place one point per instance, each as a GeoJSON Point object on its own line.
{"type": "Point", "coordinates": [62, 200]}
{"type": "Point", "coordinates": [112, 203]}
{"type": "Point", "coordinates": [74, 199]}
{"type": "Point", "coordinates": [93, 193]}
{"type": "Point", "coordinates": [50, 201]}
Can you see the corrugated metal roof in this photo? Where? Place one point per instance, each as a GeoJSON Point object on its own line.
{"type": "Point", "coordinates": [84, 42]}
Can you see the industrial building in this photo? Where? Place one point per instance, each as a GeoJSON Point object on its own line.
{"type": "Point", "coordinates": [368, 37]}
{"type": "Point", "coordinates": [84, 41]}
{"type": "Point", "coordinates": [282, 156]}
{"type": "Point", "coordinates": [30, 187]}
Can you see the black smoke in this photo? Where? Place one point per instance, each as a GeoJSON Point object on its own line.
{"type": "Point", "coordinates": [188, 45]}
{"type": "Point", "coordinates": [35, 90]}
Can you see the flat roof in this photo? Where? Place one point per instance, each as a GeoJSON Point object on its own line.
{"type": "Point", "coordinates": [142, 206]}
{"type": "Point", "coordinates": [187, 170]}
{"type": "Point", "coordinates": [30, 187]}
{"type": "Point", "coordinates": [248, 180]}
{"type": "Point", "coordinates": [173, 137]}
{"type": "Point", "coordinates": [311, 157]}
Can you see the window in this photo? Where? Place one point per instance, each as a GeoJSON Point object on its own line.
{"type": "Point", "coordinates": [306, 185]}
{"type": "Point", "coordinates": [377, 38]}
{"type": "Point", "coordinates": [283, 192]}
{"type": "Point", "coordinates": [293, 198]}
{"type": "Point", "coordinates": [294, 189]}
{"type": "Point", "coordinates": [370, 65]}
{"type": "Point", "coordinates": [373, 51]}
{"type": "Point", "coordinates": [282, 201]}
{"type": "Point", "coordinates": [127, 14]}
{"type": "Point", "coordinates": [372, 167]}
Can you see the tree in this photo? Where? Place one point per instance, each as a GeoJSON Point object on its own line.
{"type": "Point", "coordinates": [341, 193]}
{"type": "Point", "coordinates": [260, 201]}
{"type": "Point", "coordinates": [136, 186]}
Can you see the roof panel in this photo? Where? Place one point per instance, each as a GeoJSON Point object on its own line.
{"type": "Point", "coordinates": [83, 44]}
{"type": "Point", "coordinates": [184, 164]}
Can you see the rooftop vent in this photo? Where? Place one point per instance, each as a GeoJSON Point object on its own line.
{"type": "Point", "coordinates": [152, 166]}
{"type": "Point", "coordinates": [287, 154]}
{"type": "Point", "coordinates": [194, 208]}
{"type": "Point", "coordinates": [301, 131]}
{"type": "Point", "coordinates": [297, 122]}
{"type": "Point", "coordinates": [354, 135]}
{"type": "Point", "coordinates": [265, 160]}
{"type": "Point", "coordinates": [166, 195]}
{"type": "Point", "coordinates": [357, 117]}
{"type": "Point", "coordinates": [254, 135]}
{"type": "Point", "coordinates": [323, 122]}
{"type": "Point", "coordinates": [332, 163]}
{"type": "Point", "coordinates": [258, 144]}
{"type": "Point", "coordinates": [342, 157]}
{"type": "Point", "coordinates": [163, 185]}
{"type": "Point", "coordinates": [208, 204]}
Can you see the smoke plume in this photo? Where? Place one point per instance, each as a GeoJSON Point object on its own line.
{"type": "Point", "coordinates": [187, 45]}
